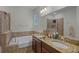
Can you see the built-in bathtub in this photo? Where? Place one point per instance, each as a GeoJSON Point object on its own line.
{"type": "Point", "coordinates": [23, 41]}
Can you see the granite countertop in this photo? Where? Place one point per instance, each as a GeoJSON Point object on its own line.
{"type": "Point", "coordinates": [71, 47]}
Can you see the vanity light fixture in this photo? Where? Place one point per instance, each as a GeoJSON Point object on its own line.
{"type": "Point", "coordinates": [43, 10]}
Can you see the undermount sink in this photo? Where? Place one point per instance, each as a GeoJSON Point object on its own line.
{"type": "Point", "coordinates": [39, 36]}
{"type": "Point", "coordinates": [59, 44]}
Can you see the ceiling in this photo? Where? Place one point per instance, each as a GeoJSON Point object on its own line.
{"type": "Point", "coordinates": [31, 7]}
{"type": "Point", "coordinates": [25, 7]}
{"type": "Point", "coordinates": [34, 7]}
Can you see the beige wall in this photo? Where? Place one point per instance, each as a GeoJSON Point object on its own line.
{"type": "Point", "coordinates": [77, 27]}
{"type": "Point", "coordinates": [21, 18]}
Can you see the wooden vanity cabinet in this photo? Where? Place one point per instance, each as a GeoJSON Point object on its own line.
{"type": "Point", "coordinates": [33, 45]}
{"type": "Point", "coordinates": [44, 50]}
{"type": "Point", "coordinates": [39, 46]}
{"type": "Point", "coordinates": [36, 45]}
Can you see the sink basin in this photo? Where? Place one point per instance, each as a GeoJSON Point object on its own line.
{"type": "Point", "coordinates": [40, 36]}
{"type": "Point", "coordinates": [60, 45]}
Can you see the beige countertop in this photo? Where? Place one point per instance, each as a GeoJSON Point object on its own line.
{"type": "Point", "coordinates": [71, 48]}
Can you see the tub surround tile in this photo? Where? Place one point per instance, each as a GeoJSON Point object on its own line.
{"type": "Point", "coordinates": [26, 33]}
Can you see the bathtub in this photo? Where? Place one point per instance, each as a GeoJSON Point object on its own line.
{"type": "Point", "coordinates": [22, 42]}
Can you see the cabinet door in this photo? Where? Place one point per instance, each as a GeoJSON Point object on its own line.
{"type": "Point", "coordinates": [33, 45]}
{"type": "Point", "coordinates": [38, 46]}
{"type": "Point", "coordinates": [44, 50]}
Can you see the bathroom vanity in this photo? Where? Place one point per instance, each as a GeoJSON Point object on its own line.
{"type": "Point", "coordinates": [47, 45]}
{"type": "Point", "coordinates": [39, 46]}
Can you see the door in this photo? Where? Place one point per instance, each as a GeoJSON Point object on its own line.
{"type": "Point", "coordinates": [60, 26]}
